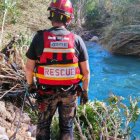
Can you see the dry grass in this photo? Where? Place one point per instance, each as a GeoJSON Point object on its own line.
{"type": "Point", "coordinates": [32, 16]}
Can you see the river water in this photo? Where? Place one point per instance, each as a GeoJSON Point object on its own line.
{"type": "Point", "coordinates": [110, 73]}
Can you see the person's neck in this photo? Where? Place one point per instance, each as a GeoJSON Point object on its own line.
{"type": "Point", "coordinates": [56, 24]}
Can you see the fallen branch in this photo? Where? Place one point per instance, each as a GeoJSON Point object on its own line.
{"type": "Point", "coordinates": [8, 91]}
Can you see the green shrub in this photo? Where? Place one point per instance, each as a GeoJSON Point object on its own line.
{"type": "Point", "coordinates": [122, 14]}
{"type": "Point", "coordinates": [103, 120]}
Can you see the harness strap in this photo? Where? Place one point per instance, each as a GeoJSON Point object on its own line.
{"type": "Point", "coordinates": [65, 90]}
{"type": "Point", "coordinates": [52, 90]}
{"type": "Point", "coordinates": [53, 62]}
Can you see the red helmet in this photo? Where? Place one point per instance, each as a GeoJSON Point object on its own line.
{"type": "Point", "coordinates": [63, 7]}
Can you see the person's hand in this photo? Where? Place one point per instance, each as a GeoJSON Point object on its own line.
{"type": "Point", "coordinates": [31, 88]}
{"type": "Point", "coordinates": [84, 97]}
{"type": "Point", "coordinates": [78, 90]}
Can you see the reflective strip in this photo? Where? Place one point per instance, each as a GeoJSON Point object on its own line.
{"type": "Point", "coordinates": [63, 65]}
{"type": "Point", "coordinates": [66, 38]}
{"type": "Point", "coordinates": [41, 76]}
{"type": "Point", "coordinates": [54, 38]}
{"type": "Point", "coordinates": [59, 50]}
{"type": "Point", "coordinates": [59, 70]}
{"type": "Point", "coordinates": [51, 38]}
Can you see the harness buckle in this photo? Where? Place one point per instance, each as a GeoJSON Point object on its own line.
{"type": "Point", "coordinates": [54, 60]}
{"type": "Point", "coordinates": [65, 90]}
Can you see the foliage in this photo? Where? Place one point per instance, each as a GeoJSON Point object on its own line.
{"type": "Point", "coordinates": [120, 33]}
{"type": "Point", "coordinates": [104, 120]}
{"type": "Point", "coordinates": [23, 43]}
{"type": "Point", "coordinates": [98, 16]}
{"type": "Point", "coordinates": [31, 114]}
{"type": "Point", "coordinates": [22, 15]}
{"type": "Point", "coordinates": [8, 12]}
{"type": "Point", "coordinates": [55, 129]}
{"type": "Point", "coordinates": [92, 14]}
{"type": "Point", "coordinates": [13, 11]}
{"type": "Point", "coordinates": [9, 5]}
{"type": "Point", "coordinates": [23, 40]}
{"type": "Point", "coordinates": [82, 8]}
{"type": "Point", "coordinates": [110, 14]}
{"type": "Point", "coordinates": [126, 11]}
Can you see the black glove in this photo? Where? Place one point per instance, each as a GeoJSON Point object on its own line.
{"type": "Point", "coordinates": [78, 90]}
{"type": "Point", "coordinates": [31, 88]}
{"type": "Point", "coordinates": [84, 97]}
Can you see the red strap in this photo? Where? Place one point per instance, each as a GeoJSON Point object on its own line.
{"type": "Point", "coordinates": [59, 56]}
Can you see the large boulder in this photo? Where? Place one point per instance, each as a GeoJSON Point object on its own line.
{"type": "Point", "coordinates": [94, 39]}
{"type": "Point", "coordinates": [125, 41]}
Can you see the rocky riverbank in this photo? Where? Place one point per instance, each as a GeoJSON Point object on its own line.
{"type": "Point", "coordinates": [10, 116]}
{"type": "Point", "coordinates": [88, 35]}
{"type": "Point", "coordinates": [124, 41]}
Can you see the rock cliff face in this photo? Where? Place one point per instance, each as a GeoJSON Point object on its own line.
{"type": "Point", "coordinates": [125, 41]}
{"type": "Point", "coordinates": [9, 121]}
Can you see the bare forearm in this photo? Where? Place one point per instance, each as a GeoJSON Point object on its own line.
{"type": "Point", "coordinates": [30, 64]}
{"type": "Point", "coordinates": [86, 74]}
{"type": "Point", "coordinates": [29, 76]}
{"type": "Point", "coordinates": [86, 84]}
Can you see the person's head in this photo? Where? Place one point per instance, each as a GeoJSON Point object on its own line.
{"type": "Point", "coordinates": [61, 11]}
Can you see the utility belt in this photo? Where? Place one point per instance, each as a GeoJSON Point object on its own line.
{"type": "Point", "coordinates": [47, 90]}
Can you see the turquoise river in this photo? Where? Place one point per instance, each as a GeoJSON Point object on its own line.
{"type": "Point", "coordinates": [113, 74]}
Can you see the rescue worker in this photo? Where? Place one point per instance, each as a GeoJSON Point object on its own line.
{"type": "Point", "coordinates": [59, 60]}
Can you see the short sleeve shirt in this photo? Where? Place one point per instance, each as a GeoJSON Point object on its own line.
{"type": "Point", "coordinates": [37, 45]}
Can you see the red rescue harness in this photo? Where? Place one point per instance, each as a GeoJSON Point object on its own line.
{"type": "Point", "coordinates": [58, 63]}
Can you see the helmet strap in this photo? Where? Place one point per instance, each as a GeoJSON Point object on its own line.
{"type": "Point", "coordinates": [58, 17]}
